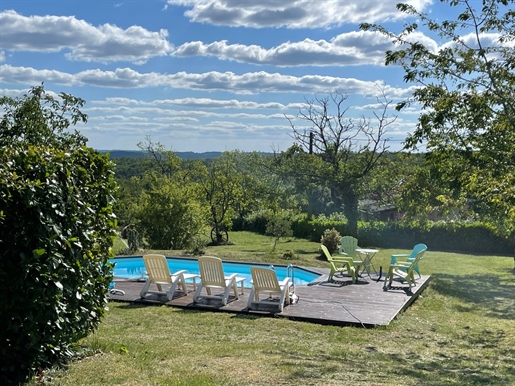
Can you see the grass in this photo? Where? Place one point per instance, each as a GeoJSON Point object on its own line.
{"type": "Point", "coordinates": [460, 331]}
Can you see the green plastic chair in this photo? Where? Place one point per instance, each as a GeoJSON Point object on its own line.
{"type": "Point", "coordinates": [340, 264]}
{"type": "Point", "coordinates": [404, 270]}
{"type": "Point", "coordinates": [347, 249]}
{"type": "Point", "coordinates": [411, 257]}
{"type": "Point", "coordinates": [348, 246]}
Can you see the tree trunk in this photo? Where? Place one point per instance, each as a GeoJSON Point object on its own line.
{"type": "Point", "coordinates": [350, 209]}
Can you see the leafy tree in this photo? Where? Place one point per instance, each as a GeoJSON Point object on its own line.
{"type": "Point", "coordinates": [166, 161]}
{"type": "Point", "coordinates": [277, 226]}
{"type": "Point", "coordinates": [127, 199]}
{"type": "Point", "coordinates": [222, 183]}
{"type": "Point", "coordinates": [127, 167]}
{"type": "Point", "coordinates": [336, 152]}
{"type": "Point", "coordinates": [263, 188]}
{"type": "Point", "coordinates": [466, 92]}
{"type": "Point", "coordinates": [169, 213]}
{"type": "Point", "coordinates": [56, 225]}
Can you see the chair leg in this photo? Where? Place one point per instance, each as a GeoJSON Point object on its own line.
{"type": "Point", "coordinates": [225, 297]}
{"type": "Point", "coordinates": [388, 280]}
{"type": "Point", "coordinates": [251, 298]}
{"type": "Point", "coordinates": [197, 293]}
{"type": "Point", "coordinates": [145, 288]}
{"type": "Point", "coordinates": [235, 289]}
{"type": "Point", "coordinates": [354, 274]}
{"type": "Point", "coordinates": [173, 287]}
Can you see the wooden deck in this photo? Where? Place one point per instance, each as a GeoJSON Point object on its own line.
{"type": "Point", "coordinates": [340, 302]}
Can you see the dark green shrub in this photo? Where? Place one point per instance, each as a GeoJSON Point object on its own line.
{"type": "Point", "coordinates": [198, 246]}
{"type": "Point", "coordinates": [254, 222]}
{"type": "Point", "coordinates": [133, 239]}
{"type": "Point", "coordinates": [288, 255]}
{"type": "Point", "coordinates": [303, 228]}
{"type": "Point", "coordinates": [56, 227]}
{"type": "Point", "coordinates": [311, 230]}
{"type": "Point", "coordinates": [331, 239]}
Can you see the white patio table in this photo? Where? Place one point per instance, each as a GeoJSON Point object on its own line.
{"type": "Point", "coordinates": [367, 261]}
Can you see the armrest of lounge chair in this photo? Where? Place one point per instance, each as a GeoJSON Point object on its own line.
{"type": "Point", "coordinates": [341, 258]}
{"type": "Point", "coordinates": [231, 279]}
{"type": "Point", "coordinates": [349, 260]}
{"type": "Point", "coordinates": [394, 258]}
{"type": "Point", "coordinates": [400, 264]}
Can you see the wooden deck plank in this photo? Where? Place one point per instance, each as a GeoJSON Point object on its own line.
{"type": "Point", "coordinates": [340, 302]}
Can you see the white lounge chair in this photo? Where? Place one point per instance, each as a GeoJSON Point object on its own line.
{"type": "Point", "coordinates": [264, 281]}
{"type": "Point", "coordinates": [212, 277]}
{"type": "Point", "coordinates": [159, 274]}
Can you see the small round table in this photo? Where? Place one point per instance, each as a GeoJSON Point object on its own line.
{"type": "Point", "coordinates": [367, 262]}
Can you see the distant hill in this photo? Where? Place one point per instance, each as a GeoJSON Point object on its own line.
{"type": "Point", "coordinates": [141, 154]}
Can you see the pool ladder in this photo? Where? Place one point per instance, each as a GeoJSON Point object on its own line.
{"type": "Point", "coordinates": [293, 296]}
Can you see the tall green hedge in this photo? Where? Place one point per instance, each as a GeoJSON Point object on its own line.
{"type": "Point", "coordinates": [56, 224]}
{"type": "Point", "coordinates": [55, 228]}
{"type": "Point", "coordinates": [443, 236]}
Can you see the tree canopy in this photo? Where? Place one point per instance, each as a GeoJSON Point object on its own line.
{"type": "Point", "coordinates": [335, 151]}
{"type": "Point", "coordinates": [467, 100]}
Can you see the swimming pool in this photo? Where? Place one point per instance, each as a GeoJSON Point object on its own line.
{"type": "Point", "coordinates": [134, 268]}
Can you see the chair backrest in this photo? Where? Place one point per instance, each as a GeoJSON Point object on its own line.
{"type": "Point", "coordinates": [416, 249]}
{"type": "Point", "coordinates": [328, 256]}
{"type": "Point", "coordinates": [417, 258]}
{"type": "Point", "coordinates": [157, 268]}
{"type": "Point", "coordinates": [348, 245]}
{"type": "Point", "coordinates": [264, 279]}
{"type": "Point", "coordinates": [211, 270]}
{"type": "Point", "coordinates": [326, 252]}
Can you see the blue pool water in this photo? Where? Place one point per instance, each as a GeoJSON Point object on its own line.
{"type": "Point", "coordinates": [134, 268]}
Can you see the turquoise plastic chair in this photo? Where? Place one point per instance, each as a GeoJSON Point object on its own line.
{"type": "Point", "coordinates": [411, 257]}
{"type": "Point", "coordinates": [404, 270]}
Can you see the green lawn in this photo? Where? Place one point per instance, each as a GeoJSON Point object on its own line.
{"type": "Point", "coordinates": [460, 331]}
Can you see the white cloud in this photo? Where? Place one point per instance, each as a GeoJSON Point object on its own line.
{"type": "Point", "coordinates": [206, 103]}
{"type": "Point", "coordinates": [352, 48]}
{"type": "Point", "coordinates": [248, 83]}
{"type": "Point", "coordinates": [30, 76]}
{"type": "Point", "coordinates": [105, 43]}
{"type": "Point", "coordinates": [292, 13]}
{"type": "Point", "coordinates": [175, 119]}
{"type": "Point", "coordinates": [12, 93]}
{"type": "Point", "coordinates": [169, 114]}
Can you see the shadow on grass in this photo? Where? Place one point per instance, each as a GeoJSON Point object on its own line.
{"type": "Point", "coordinates": [135, 305]}
{"type": "Point", "coordinates": [461, 367]}
{"type": "Point", "coordinates": [481, 291]}
{"type": "Point", "coordinates": [448, 365]}
{"type": "Point", "coordinates": [306, 252]}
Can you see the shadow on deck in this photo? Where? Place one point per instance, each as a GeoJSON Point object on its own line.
{"type": "Point", "coordinates": [364, 304]}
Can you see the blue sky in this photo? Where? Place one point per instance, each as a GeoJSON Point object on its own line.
{"type": "Point", "coordinates": [204, 75]}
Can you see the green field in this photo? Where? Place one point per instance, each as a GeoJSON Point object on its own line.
{"type": "Point", "coordinates": [460, 331]}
